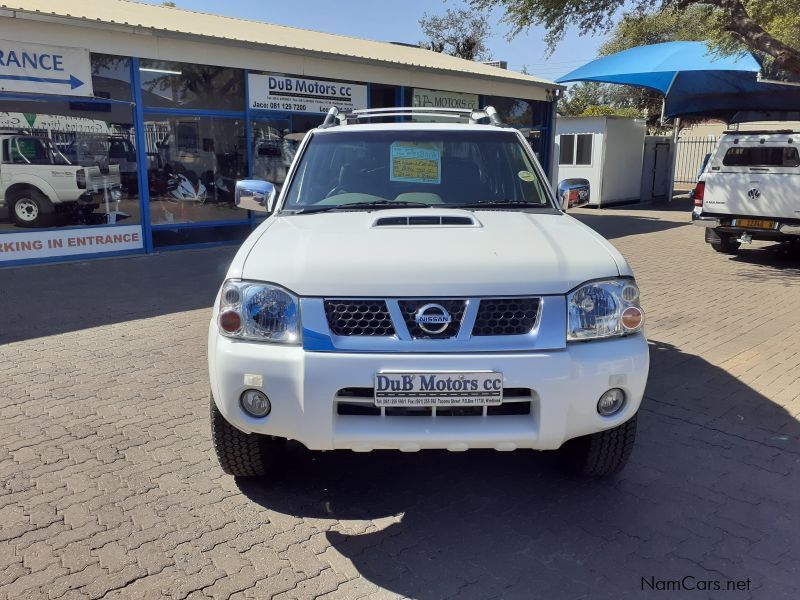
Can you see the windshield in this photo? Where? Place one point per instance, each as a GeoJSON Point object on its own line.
{"type": "Point", "coordinates": [436, 168]}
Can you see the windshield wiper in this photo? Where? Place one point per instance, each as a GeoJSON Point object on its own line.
{"type": "Point", "coordinates": [373, 204]}
{"type": "Point", "coordinates": [500, 204]}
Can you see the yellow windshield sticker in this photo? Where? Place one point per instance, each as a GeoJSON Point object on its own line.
{"type": "Point", "coordinates": [525, 175]}
{"type": "Point", "coordinates": [415, 163]}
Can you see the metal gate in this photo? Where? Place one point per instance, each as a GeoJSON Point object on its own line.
{"type": "Point", "coordinates": [691, 153]}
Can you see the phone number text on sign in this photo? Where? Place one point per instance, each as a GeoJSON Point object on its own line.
{"type": "Point", "coordinates": [281, 106]}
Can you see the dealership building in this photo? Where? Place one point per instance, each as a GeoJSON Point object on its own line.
{"type": "Point", "coordinates": [124, 126]}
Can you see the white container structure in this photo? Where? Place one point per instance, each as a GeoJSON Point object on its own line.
{"type": "Point", "coordinates": [605, 151]}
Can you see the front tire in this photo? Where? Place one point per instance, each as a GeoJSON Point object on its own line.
{"type": "Point", "coordinates": [31, 208]}
{"type": "Point", "coordinates": [601, 454]}
{"type": "Point", "coordinates": [245, 455]}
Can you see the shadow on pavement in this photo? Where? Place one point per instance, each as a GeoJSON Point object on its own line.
{"type": "Point", "coordinates": [776, 262]}
{"type": "Point", "coordinates": [681, 202]}
{"type": "Point", "coordinates": [612, 224]}
{"type": "Point", "coordinates": [47, 300]}
{"type": "Point", "coordinates": [485, 524]}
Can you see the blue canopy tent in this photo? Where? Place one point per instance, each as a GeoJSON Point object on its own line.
{"type": "Point", "coordinates": [695, 81]}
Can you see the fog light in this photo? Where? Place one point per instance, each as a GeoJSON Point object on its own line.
{"type": "Point", "coordinates": [255, 403]}
{"type": "Point", "coordinates": [611, 402]}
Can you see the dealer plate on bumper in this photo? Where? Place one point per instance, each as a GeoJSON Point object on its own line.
{"type": "Point", "coordinates": [754, 223]}
{"type": "Point", "coordinates": [483, 388]}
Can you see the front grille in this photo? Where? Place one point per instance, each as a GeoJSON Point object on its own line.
{"type": "Point", "coordinates": [506, 316]}
{"type": "Point", "coordinates": [456, 309]}
{"type": "Point", "coordinates": [371, 317]}
{"type": "Point", "coordinates": [359, 317]}
{"type": "Point", "coordinates": [359, 401]}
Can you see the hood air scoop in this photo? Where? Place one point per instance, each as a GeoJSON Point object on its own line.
{"type": "Point", "coordinates": [425, 221]}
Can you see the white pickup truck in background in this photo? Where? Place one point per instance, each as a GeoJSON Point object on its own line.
{"type": "Point", "coordinates": [750, 190]}
{"type": "Point", "coordinates": [36, 179]}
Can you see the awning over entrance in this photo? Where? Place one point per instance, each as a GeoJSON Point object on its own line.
{"type": "Point", "coordinates": [694, 80]}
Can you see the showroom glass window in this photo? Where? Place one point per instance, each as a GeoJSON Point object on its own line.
{"type": "Point", "coordinates": [93, 149]}
{"type": "Point", "coordinates": [192, 166]}
{"type": "Point", "coordinates": [275, 140]}
{"type": "Point", "coordinates": [383, 96]}
{"type": "Point", "coordinates": [111, 76]}
{"type": "Point", "coordinates": [274, 148]}
{"type": "Point", "coordinates": [167, 84]}
{"type": "Point", "coordinates": [529, 116]}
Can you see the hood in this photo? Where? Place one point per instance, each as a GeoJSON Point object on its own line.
{"type": "Point", "coordinates": [499, 253]}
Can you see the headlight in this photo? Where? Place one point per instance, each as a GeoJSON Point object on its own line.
{"type": "Point", "coordinates": [259, 311]}
{"type": "Point", "coordinates": [601, 309]}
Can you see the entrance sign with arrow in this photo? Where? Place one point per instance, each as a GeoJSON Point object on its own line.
{"type": "Point", "coordinates": [38, 69]}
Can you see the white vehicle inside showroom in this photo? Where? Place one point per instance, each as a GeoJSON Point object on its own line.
{"type": "Point", "coordinates": [417, 286]}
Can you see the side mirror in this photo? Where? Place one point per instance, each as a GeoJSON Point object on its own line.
{"type": "Point", "coordinates": [256, 195]}
{"type": "Point", "coordinates": [573, 192]}
{"type": "Point", "coordinates": [562, 193]}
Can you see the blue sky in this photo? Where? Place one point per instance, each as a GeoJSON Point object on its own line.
{"type": "Point", "coordinates": [399, 21]}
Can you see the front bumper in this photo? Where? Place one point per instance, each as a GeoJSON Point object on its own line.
{"type": "Point", "coordinates": [303, 387]}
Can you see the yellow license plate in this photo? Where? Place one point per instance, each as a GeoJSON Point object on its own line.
{"type": "Point", "coordinates": [755, 223]}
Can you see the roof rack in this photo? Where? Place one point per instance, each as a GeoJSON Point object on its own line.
{"type": "Point", "coordinates": [471, 116]}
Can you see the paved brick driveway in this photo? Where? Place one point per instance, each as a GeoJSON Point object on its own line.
{"type": "Point", "coordinates": [110, 489]}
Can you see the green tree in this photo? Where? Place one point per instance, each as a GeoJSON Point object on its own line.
{"type": "Point", "coordinates": [458, 32]}
{"type": "Point", "coordinates": [639, 29]}
{"type": "Point", "coordinates": [589, 99]}
{"type": "Point", "coordinates": [668, 25]}
{"type": "Point", "coordinates": [602, 110]}
{"type": "Point", "coordinates": [769, 28]}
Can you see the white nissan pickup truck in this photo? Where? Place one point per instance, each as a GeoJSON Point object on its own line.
{"type": "Point", "coordinates": [416, 286]}
{"type": "Point", "coordinates": [36, 180]}
{"type": "Point", "coordinates": [750, 190]}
